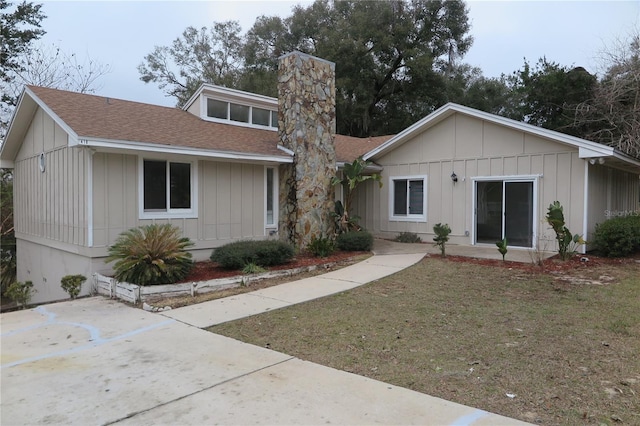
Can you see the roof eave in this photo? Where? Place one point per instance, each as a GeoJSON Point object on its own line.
{"type": "Point", "coordinates": [371, 168]}
{"type": "Point", "coordinates": [11, 143]}
{"type": "Point", "coordinates": [180, 150]}
{"type": "Point", "coordinates": [586, 148]}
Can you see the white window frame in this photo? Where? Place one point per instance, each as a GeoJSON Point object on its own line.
{"type": "Point", "coordinates": [169, 213]}
{"type": "Point", "coordinates": [506, 178]}
{"type": "Point", "coordinates": [276, 201]}
{"type": "Point", "coordinates": [228, 120]}
{"type": "Point", "coordinates": [408, 217]}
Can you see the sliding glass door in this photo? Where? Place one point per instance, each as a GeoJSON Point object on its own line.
{"type": "Point", "coordinates": [504, 209]}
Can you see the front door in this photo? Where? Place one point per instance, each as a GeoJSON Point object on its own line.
{"type": "Point", "coordinates": [504, 209]}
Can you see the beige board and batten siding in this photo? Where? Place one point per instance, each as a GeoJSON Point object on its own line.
{"type": "Point", "coordinates": [612, 193]}
{"type": "Point", "coordinates": [50, 208]}
{"type": "Point", "coordinates": [230, 202]}
{"type": "Point", "coordinates": [56, 208]}
{"type": "Point", "coordinates": [473, 148]}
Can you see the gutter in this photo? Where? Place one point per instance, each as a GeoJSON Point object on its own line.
{"type": "Point", "coordinates": [169, 149]}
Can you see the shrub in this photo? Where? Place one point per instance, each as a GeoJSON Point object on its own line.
{"type": "Point", "coordinates": [442, 236]}
{"type": "Point", "coordinates": [20, 292]}
{"type": "Point", "coordinates": [152, 254]}
{"type": "Point", "coordinates": [321, 247]}
{"type": "Point", "coordinates": [262, 253]}
{"type": "Point", "coordinates": [355, 241]}
{"type": "Point", "coordinates": [567, 243]}
{"type": "Point", "coordinates": [7, 269]}
{"type": "Point", "coordinates": [408, 237]}
{"type": "Point", "coordinates": [72, 284]}
{"type": "Point", "coordinates": [618, 237]}
{"type": "Point", "coordinates": [252, 268]}
{"type": "Point", "coordinates": [502, 247]}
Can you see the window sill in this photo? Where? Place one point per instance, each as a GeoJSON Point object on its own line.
{"type": "Point", "coordinates": [413, 218]}
{"type": "Point", "coordinates": [164, 215]}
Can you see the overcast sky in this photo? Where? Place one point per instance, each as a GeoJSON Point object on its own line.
{"type": "Point", "coordinates": [121, 33]}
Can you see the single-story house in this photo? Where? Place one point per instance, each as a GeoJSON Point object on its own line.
{"type": "Point", "coordinates": [490, 178]}
{"type": "Point", "coordinates": [87, 168]}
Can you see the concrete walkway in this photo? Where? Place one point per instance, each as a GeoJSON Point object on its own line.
{"type": "Point", "coordinates": [96, 361]}
{"type": "Point", "coordinates": [231, 308]}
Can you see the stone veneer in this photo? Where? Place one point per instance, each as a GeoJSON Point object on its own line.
{"type": "Point", "coordinates": [306, 126]}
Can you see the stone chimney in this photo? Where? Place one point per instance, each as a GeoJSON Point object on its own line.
{"type": "Point", "coordinates": [306, 126]}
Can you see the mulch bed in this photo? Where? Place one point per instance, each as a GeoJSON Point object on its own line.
{"type": "Point", "coordinates": [550, 265]}
{"type": "Point", "coordinates": [207, 270]}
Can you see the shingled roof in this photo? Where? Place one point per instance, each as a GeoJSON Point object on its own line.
{"type": "Point", "coordinates": [112, 119]}
{"type": "Point", "coordinates": [95, 117]}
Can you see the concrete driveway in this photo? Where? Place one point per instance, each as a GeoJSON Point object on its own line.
{"type": "Point", "coordinates": [97, 361]}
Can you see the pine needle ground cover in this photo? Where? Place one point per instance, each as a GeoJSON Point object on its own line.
{"type": "Point", "coordinates": [545, 348]}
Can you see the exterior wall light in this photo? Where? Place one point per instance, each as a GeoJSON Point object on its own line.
{"type": "Point", "coordinates": [42, 162]}
{"type": "Point", "coordinates": [454, 177]}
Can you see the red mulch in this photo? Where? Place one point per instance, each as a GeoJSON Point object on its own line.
{"type": "Point", "coordinates": [553, 264]}
{"type": "Point", "coordinates": [203, 271]}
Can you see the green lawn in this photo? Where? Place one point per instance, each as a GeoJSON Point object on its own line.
{"type": "Point", "coordinates": [472, 334]}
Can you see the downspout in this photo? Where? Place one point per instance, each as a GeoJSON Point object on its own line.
{"type": "Point", "coordinates": [585, 207]}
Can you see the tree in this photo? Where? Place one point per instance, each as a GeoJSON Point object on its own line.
{"type": "Point", "coordinates": [198, 56]}
{"type": "Point", "coordinates": [7, 238]}
{"type": "Point", "coordinates": [19, 27]}
{"type": "Point", "coordinates": [546, 94]}
{"type": "Point", "coordinates": [48, 66]}
{"type": "Point", "coordinates": [23, 63]}
{"type": "Point", "coordinates": [612, 115]}
{"type": "Point", "coordinates": [392, 56]}
{"type": "Point", "coordinates": [467, 86]}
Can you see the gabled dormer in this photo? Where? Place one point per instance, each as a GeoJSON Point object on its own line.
{"type": "Point", "coordinates": [230, 106]}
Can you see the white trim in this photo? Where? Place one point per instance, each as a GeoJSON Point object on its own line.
{"type": "Point", "coordinates": [585, 207]}
{"type": "Point", "coordinates": [504, 179]}
{"type": "Point", "coordinates": [276, 201]}
{"type": "Point", "coordinates": [72, 135]}
{"type": "Point", "coordinates": [191, 213]}
{"type": "Point", "coordinates": [204, 114]}
{"type": "Point", "coordinates": [587, 147]}
{"type": "Point", "coordinates": [224, 93]}
{"type": "Point", "coordinates": [173, 150]}
{"type": "Point", "coordinates": [90, 200]}
{"type": "Point", "coordinates": [239, 123]}
{"type": "Point", "coordinates": [287, 150]}
{"type": "Point", "coordinates": [508, 177]}
{"type": "Point", "coordinates": [409, 217]}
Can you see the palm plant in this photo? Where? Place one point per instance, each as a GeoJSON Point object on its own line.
{"type": "Point", "coordinates": [353, 174]}
{"type": "Point", "coordinates": [151, 254]}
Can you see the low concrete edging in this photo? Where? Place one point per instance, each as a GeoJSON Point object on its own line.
{"type": "Point", "coordinates": [133, 293]}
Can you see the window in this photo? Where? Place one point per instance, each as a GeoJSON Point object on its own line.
{"type": "Point", "coordinates": [408, 198]}
{"type": "Point", "coordinates": [217, 109]}
{"type": "Point", "coordinates": [167, 189]}
{"type": "Point", "coordinates": [251, 115]}
{"type": "Point", "coordinates": [260, 116]}
{"type": "Point", "coordinates": [239, 113]}
{"type": "Point", "coordinates": [271, 197]}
